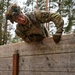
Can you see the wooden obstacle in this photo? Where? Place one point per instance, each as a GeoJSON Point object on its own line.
{"type": "Point", "coordinates": [46, 58]}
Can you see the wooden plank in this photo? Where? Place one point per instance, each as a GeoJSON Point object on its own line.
{"type": "Point", "coordinates": [5, 72]}
{"type": "Point", "coordinates": [46, 73]}
{"type": "Point", "coordinates": [67, 44]}
{"type": "Point", "coordinates": [6, 64]}
{"type": "Point", "coordinates": [48, 63]}
{"type": "Point", "coordinates": [43, 63]}
{"type": "Point", "coordinates": [37, 73]}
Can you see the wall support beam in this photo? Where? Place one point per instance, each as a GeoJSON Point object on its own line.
{"type": "Point", "coordinates": [16, 63]}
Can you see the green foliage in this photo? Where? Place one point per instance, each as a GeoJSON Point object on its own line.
{"type": "Point", "coordinates": [68, 28]}
{"type": "Point", "coordinates": [28, 2]}
{"type": "Point", "coordinates": [1, 18]}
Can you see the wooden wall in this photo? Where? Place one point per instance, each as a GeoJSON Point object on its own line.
{"type": "Point", "coordinates": [45, 58]}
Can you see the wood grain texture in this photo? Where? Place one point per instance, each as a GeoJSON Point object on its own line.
{"type": "Point", "coordinates": [37, 73]}
{"type": "Point", "coordinates": [5, 72]}
{"type": "Point", "coordinates": [44, 63]}
{"type": "Point", "coordinates": [48, 63]}
{"type": "Point", "coordinates": [46, 73]}
{"type": "Point", "coordinates": [6, 64]}
{"type": "Point", "coordinates": [46, 58]}
{"type": "Point", "coordinates": [67, 44]}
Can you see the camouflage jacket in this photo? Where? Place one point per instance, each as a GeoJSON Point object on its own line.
{"type": "Point", "coordinates": [35, 25]}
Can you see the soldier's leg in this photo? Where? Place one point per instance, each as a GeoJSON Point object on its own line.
{"type": "Point", "coordinates": [36, 37]}
{"type": "Point", "coordinates": [57, 35]}
{"type": "Point", "coordinates": [46, 32]}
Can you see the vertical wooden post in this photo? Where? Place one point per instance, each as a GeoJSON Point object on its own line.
{"type": "Point", "coordinates": [47, 5]}
{"type": "Point", "coordinates": [15, 63]}
{"type": "Point", "coordinates": [37, 4]}
{"type": "Point", "coordinates": [47, 9]}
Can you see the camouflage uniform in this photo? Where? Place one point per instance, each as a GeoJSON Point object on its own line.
{"type": "Point", "coordinates": [34, 29]}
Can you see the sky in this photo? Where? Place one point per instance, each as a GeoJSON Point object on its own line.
{"type": "Point", "coordinates": [20, 2]}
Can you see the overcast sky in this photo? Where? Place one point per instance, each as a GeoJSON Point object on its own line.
{"type": "Point", "coordinates": [19, 1]}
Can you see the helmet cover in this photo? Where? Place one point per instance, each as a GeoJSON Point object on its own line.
{"type": "Point", "coordinates": [13, 12]}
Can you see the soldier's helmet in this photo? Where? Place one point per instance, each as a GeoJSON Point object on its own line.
{"type": "Point", "coordinates": [13, 12]}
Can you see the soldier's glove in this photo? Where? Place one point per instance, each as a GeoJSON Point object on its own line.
{"type": "Point", "coordinates": [57, 37]}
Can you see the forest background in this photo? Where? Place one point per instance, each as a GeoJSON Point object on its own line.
{"type": "Point", "coordinates": [64, 7]}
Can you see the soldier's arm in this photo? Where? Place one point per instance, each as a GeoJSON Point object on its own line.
{"type": "Point", "coordinates": [44, 17]}
{"type": "Point", "coordinates": [58, 21]}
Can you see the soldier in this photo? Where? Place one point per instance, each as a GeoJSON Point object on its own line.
{"type": "Point", "coordinates": [30, 25]}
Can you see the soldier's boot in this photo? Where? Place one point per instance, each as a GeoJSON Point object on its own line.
{"type": "Point", "coordinates": [57, 37]}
